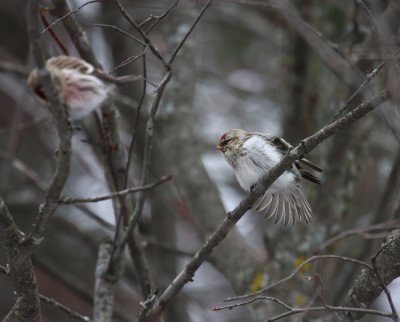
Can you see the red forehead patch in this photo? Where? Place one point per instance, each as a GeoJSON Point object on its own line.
{"type": "Point", "coordinates": [222, 137]}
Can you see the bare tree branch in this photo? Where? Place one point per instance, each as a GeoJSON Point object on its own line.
{"type": "Point", "coordinates": [27, 306]}
{"type": "Point", "coordinates": [309, 260]}
{"type": "Point", "coordinates": [290, 310]}
{"type": "Point", "coordinates": [105, 282]}
{"type": "Point", "coordinates": [53, 302]}
{"type": "Point", "coordinates": [69, 200]}
{"type": "Point", "coordinates": [361, 231]}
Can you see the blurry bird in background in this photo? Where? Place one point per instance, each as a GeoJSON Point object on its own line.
{"type": "Point", "coordinates": [252, 155]}
{"type": "Point", "coordinates": [80, 86]}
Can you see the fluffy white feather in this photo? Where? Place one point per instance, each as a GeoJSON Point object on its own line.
{"type": "Point", "coordinates": [256, 160]}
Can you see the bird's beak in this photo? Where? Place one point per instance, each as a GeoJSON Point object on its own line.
{"type": "Point", "coordinates": [219, 147]}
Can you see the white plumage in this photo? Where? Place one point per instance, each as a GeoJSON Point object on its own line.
{"type": "Point", "coordinates": [255, 161]}
{"type": "Point", "coordinates": [252, 155]}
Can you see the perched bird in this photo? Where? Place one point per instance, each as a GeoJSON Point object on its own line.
{"type": "Point", "coordinates": [80, 86]}
{"type": "Point", "coordinates": [252, 155]}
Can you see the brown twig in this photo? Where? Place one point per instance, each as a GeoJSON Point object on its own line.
{"type": "Point", "coordinates": [69, 200]}
{"type": "Point", "coordinates": [53, 34]}
{"type": "Point", "coordinates": [72, 12]}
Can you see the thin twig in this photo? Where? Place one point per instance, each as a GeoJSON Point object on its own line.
{"type": "Point", "coordinates": [69, 200]}
{"type": "Point", "coordinates": [146, 39]}
{"type": "Point", "coordinates": [11, 313]}
{"type": "Point", "coordinates": [294, 310]}
{"type": "Point", "coordinates": [298, 268]}
{"type": "Point", "coordinates": [127, 34]}
{"type": "Point", "coordinates": [367, 80]}
{"type": "Point", "coordinates": [255, 299]}
{"type": "Point", "coordinates": [25, 169]}
{"type": "Point", "coordinates": [71, 313]}
{"type": "Point", "coordinates": [158, 18]}
{"type": "Point", "coordinates": [128, 61]}
{"type": "Point", "coordinates": [178, 48]}
{"type": "Point", "coordinates": [361, 231]}
{"type": "Point", "coordinates": [50, 26]}
{"type": "Point", "coordinates": [136, 121]}
{"type": "Point", "coordinates": [15, 68]}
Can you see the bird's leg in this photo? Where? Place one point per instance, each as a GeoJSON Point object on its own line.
{"type": "Point", "coordinates": [74, 127]}
{"type": "Point", "coordinates": [303, 145]}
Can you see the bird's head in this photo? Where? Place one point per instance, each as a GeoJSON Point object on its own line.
{"type": "Point", "coordinates": [231, 141]}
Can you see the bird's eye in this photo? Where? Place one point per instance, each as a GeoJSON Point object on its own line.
{"type": "Point", "coordinates": [225, 142]}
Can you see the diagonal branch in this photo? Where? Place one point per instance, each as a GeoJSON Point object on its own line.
{"type": "Point", "coordinates": [307, 145]}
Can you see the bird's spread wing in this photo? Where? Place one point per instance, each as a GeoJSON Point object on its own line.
{"type": "Point", "coordinates": [289, 206]}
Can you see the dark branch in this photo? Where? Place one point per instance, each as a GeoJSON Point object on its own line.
{"type": "Point", "coordinates": [368, 285]}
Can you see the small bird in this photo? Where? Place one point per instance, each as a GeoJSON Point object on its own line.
{"type": "Point", "coordinates": [80, 86]}
{"type": "Point", "coordinates": [252, 155]}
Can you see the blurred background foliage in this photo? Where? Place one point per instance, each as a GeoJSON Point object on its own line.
{"type": "Point", "coordinates": [250, 65]}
